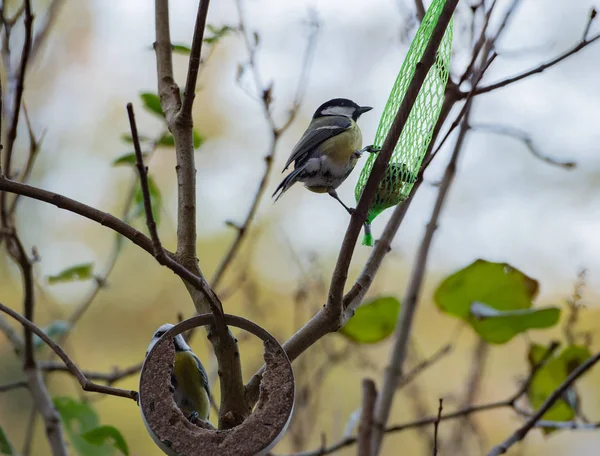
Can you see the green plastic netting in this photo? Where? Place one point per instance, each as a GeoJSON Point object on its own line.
{"type": "Point", "coordinates": [412, 145]}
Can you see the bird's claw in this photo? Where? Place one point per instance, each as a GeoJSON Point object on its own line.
{"type": "Point", "coordinates": [373, 149]}
{"type": "Point", "coordinates": [194, 416]}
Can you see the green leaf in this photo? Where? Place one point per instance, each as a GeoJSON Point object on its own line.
{"type": "Point", "coordinates": [181, 49]}
{"type": "Point", "coordinates": [483, 292]}
{"type": "Point", "coordinates": [79, 418]}
{"type": "Point", "coordinates": [152, 103]}
{"type": "Point", "coordinates": [53, 331]}
{"type": "Point", "coordinates": [198, 139]}
{"type": "Point", "coordinates": [106, 434]}
{"type": "Point", "coordinates": [373, 321]}
{"type": "Point", "coordinates": [126, 137]}
{"type": "Point", "coordinates": [5, 446]}
{"type": "Point", "coordinates": [155, 201]}
{"type": "Point", "coordinates": [166, 140]}
{"type": "Point", "coordinates": [498, 327]}
{"type": "Point", "coordinates": [550, 376]}
{"type": "Point", "coordinates": [79, 272]}
{"type": "Point", "coordinates": [127, 159]}
{"type": "Point", "coordinates": [217, 33]}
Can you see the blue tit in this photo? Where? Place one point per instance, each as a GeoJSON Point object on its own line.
{"type": "Point", "coordinates": [328, 150]}
{"type": "Point", "coordinates": [189, 379]}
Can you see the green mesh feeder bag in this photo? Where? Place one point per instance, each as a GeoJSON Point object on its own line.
{"type": "Point", "coordinates": [412, 145]}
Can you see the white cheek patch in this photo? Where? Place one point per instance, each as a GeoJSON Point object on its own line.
{"type": "Point", "coordinates": [346, 111]}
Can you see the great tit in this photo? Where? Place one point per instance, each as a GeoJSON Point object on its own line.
{"type": "Point", "coordinates": [189, 379]}
{"type": "Point", "coordinates": [328, 150]}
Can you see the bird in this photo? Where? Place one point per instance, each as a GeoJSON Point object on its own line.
{"type": "Point", "coordinates": [328, 150]}
{"type": "Point", "coordinates": [189, 379]}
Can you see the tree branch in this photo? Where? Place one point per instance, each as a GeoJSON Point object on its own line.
{"type": "Point", "coordinates": [110, 378]}
{"type": "Point", "coordinates": [86, 385]}
{"type": "Point", "coordinates": [520, 433]}
{"type": "Point", "coordinates": [194, 64]}
{"type": "Point", "coordinates": [365, 427]}
{"type": "Point", "coordinates": [276, 132]}
{"type": "Point", "coordinates": [11, 134]}
{"type": "Point", "coordinates": [340, 274]}
{"type": "Point", "coordinates": [544, 66]}
{"type": "Point", "coordinates": [436, 425]}
{"type": "Point", "coordinates": [525, 138]}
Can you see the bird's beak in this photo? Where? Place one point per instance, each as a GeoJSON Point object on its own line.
{"type": "Point", "coordinates": [363, 109]}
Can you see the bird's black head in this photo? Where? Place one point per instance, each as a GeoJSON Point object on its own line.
{"type": "Point", "coordinates": [341, 107]}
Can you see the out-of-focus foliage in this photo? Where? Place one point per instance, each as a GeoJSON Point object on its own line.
{"type": "Point", "coordinates": [85, 433]}
{"type": "Point", "coordinates": [103, 435]}
{"type": "Point", "coordinates": [5, 445]}
{"type": "Point", "coordinates": [373, 321]}
{"type": "Point", "coordinates": [550, 376]}
{"type": "Point", "coordinates": [78, 272]}
{"type": "Point", "coordinates": [495, 299]}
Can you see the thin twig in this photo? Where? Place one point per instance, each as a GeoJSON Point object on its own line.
{"type": "Point", "coordinates": [426, 363]}
{"type": "Point", "coordinates": [525, 138]}
{"type": "Point", "coordinates": [520, 433]}
{"type": "Point", "coordinates": [42, 34]}
{"type": "Point", "coordinates": [185, 114]}
{"type": "Point", "coordinates": [420, 9]}
{"type": "Point", "coordinates": [340, 273]}
{"type": "Point", "coordinates": [14, 385]}
{"type": "Point", "coordinates": [83, 381]}
{"type": "Point", "coordinates": [110, 378]}
{"type": "Point", "coordinates": [436, 425]}
{"type": "Point", "coordinates": [365, 427]}
{"type": "Point", "coordinates": [12, 335]}
{"type": "Point", "coordinates": [409, 303]}
{"type": "Point", "coordinates": [538, 69]}
{"type": "Point", "coordinates": [276, 132]}
{"type": "Point", "coordinates": [11, 135]}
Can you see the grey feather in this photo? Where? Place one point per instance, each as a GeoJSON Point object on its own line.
{"type": "Point", "coordinates": [202, 373]}
{"type": "Point", "coordinates": [319, 130]}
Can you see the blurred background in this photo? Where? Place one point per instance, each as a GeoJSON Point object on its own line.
{"type": "Point", "coordinates": [506, 205]}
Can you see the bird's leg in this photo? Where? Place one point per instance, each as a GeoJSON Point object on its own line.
{"type": "Point", "coordinates": [372, 149]}
{"type": "Point", "coordinates": [334, 194]}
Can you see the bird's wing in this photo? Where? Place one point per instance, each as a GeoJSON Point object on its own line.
{"type": "Point", "coordinates": [202, 373]}
{"type": "Point", "coordinates": [319, 130]}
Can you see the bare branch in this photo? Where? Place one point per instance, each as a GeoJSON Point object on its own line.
{"type": "Point", "coordinates": [168, 91]}
{"type": "Point", "coordinates": [340, 274]}
{"type": "Point", "coordinates": [539, 69]}
{"type": "Point", "coordinates": [42, 34]}
{"type": "Point", "coordinates": [276, 132]}
{"type": "Point", "coordinates": [110, 378]}
{"type": "Point", "coordinates": [185, 114]}
{"type": "Point", "coordinates": [11, 335]}
{"type": "Point", "coordinates": [426, 363]}
{"type": "Point", "coordinates": [420, 9]}
{"type": "Point", "coordinates": [76, 207]}
{"type": "Point", "coordinates": [520, 433]}
{"type": "Point", "coordinates": [11, 134]}
{"type": "Point", "coordinates": [159, 252]}
{"type": "Point", "coordinates": [81, 378]}
{"type": "Point", "coordinates": [436, 425]}
{"type": "Point", "coordinates": [365, 427]}
{"type": "Point", "coordinates": [403, 328]}
{"type": "Point", "coordinates": [43, 403]}
{"type": "Point", "coordinates": [525, 138]}
{"type": "Point", "coordinates": [13, 385]}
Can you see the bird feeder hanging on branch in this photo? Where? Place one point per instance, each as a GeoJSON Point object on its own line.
{"type": "Point", "coordinates": [411, 147]}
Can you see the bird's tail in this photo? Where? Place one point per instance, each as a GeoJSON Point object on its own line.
{"type": "Point", "coordinates": [287, 182]}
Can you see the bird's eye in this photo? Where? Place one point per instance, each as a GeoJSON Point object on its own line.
{"type": "Point", "coordinates": [158, 334]}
